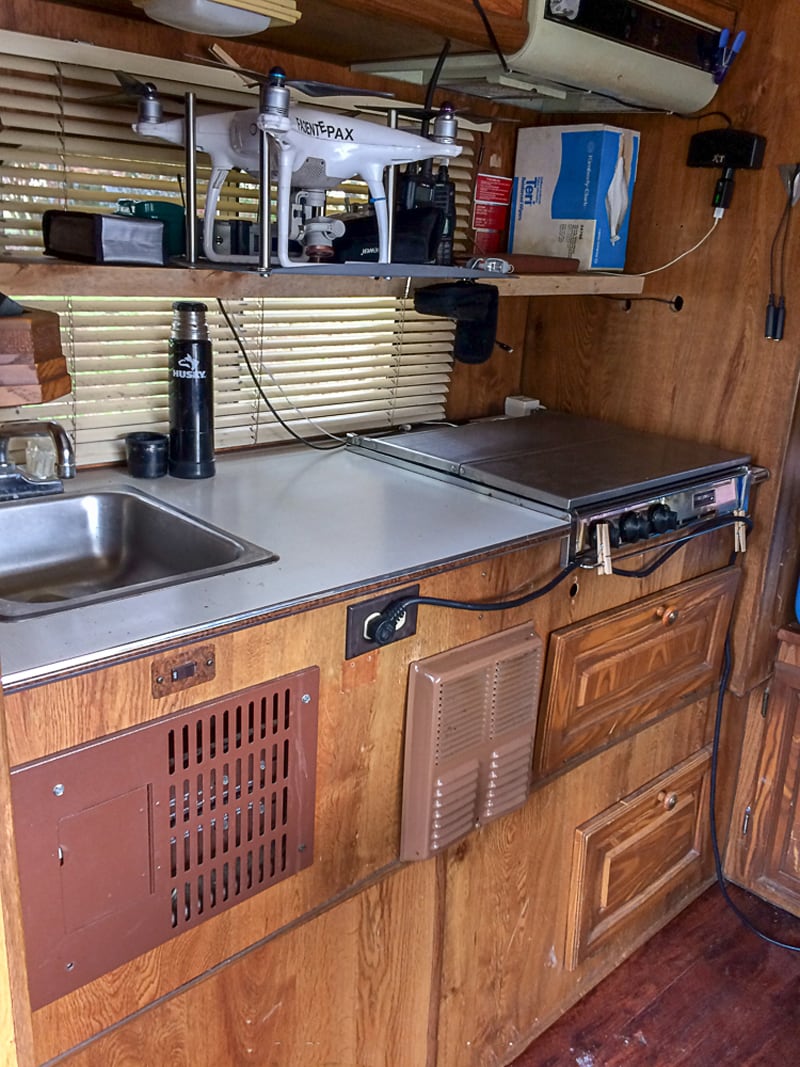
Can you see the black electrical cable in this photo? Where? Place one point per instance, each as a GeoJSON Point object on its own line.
{"type": "Point", "coordinates": [776, 302]}
{"type": "Point", "coordinates": [744, 919]}
{"type": "Point", "coordinates": [789, 202]}
{"type": "Point", "coordinates": [491, 35]}
{"type": "Point", "coordinates": [384, 624]}
{"type": "Point", "coordinates": [270, 406]}
{"type": "Point", "coordinates": [706, 527]}
{"type": "Point", "coordinates": [707, 115]}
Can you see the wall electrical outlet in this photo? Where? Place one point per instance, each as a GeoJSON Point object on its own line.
{"type": "Point", "coordinates": [356, 644]}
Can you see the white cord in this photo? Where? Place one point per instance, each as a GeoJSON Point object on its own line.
{"type": "Point", "coordinates": [683, 255]}
{"type": "Point", "coordinates": [264, 367]}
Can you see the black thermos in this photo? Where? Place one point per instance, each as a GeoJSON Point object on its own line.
{"type": "Point", "coordinates": [191, 394]}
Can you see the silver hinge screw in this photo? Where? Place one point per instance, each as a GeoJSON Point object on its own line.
{"type": "Point", "coordinates": [58, 790]}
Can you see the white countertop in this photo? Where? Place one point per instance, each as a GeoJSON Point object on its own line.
{"type": "Point", "coordinates": [337, 521]}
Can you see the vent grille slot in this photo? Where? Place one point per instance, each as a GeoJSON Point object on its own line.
{"type": "Point", "coordinates": [161, 827]}
{"type": "Point", "coordinates": [232, 769]}
{"type": "Point", "coordinates": [471, 721]}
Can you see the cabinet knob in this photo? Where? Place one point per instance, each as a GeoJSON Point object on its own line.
{"type": "Point", "coordinates": [667, 800]}
{"type": "Point", "coordinates": [668, 616]}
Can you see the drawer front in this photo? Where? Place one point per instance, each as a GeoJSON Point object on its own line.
{"type": "Point", "coordinates": [616, 672]}
{"type": "Point", "coordinates": [632, 859]}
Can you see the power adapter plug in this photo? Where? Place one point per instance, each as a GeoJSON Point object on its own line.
{"type": "Point", "coordinates": [736, 149]}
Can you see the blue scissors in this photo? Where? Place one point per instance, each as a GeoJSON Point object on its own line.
{"type": "Point", "coordinates": [726, 53]}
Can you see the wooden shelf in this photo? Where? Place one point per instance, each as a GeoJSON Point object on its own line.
{"type": "Point", "coordinates": [60, 278]}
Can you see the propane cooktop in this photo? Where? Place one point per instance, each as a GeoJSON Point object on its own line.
{"type": "Point", "coordinates": [638, 484]}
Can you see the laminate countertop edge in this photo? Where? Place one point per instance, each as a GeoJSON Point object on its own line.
{"type": "Point", "coordinates": [337, 520]}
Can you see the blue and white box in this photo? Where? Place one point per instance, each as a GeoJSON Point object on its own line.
{"type": "Point", "coordinates": [573, 187]}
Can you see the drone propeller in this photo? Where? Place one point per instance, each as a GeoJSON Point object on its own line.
{"type": "Point", "coordinates": [133, 87]}
{"type": "Point", "coordinates": [145, 92]}
{"type": "Point", "coordinates": [426, 114]}
{"type": "Point", "coordinates": [250, 77]}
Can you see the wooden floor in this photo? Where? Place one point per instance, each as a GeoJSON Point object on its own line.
{"type": "Point", "coordinates": [702, 993]}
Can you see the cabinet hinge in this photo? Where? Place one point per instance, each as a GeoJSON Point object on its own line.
{"type": "Point", "coordinates": [746, 821]}
{"type": "Point", "coordinates": [764, 703]}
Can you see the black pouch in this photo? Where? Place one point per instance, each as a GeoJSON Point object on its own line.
{"type": "Point", "coordinates": [474, 309]}
{"type": "Point", "coordinates": [416, 235]}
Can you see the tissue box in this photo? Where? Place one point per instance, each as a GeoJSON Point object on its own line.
{"type": "Point", "coordinates": [573, 187]}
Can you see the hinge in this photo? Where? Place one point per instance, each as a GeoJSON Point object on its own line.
{"type": "Point", "coordinates": [764, 702]}
{"type": "Point", "coordinates": [746, 821]}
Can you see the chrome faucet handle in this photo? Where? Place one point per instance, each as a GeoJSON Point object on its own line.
{"type": "Point", "coordinates": [65, 453]}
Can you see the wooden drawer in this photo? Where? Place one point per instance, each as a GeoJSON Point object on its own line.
{"type": "Point", "coordinates": [618, 671]}
{"type": "Point", "coordinates": [634, 861]}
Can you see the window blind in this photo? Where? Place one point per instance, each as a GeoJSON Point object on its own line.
{"type": "Point", "coordinates": [340, 364]}
{"type": "Point", "coordinates": [66, 141]}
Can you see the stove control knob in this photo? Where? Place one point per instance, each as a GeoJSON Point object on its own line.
{"type": "Point", "coordinates": [662, 518]}
{"type": "Point", "coordinates": [630, 527]}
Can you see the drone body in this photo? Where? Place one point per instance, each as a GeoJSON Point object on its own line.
{"type": "Point", "coordinates": [314, 149]}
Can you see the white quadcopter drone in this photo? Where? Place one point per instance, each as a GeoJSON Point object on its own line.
{"type": "Point", "coordinates": [315, 150]}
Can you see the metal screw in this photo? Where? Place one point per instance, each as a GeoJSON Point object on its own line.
{"type": "Point", "coordinates": [301, 848]}
{"type": "Point", "coordinates": [160, 680]}
{"type": "Point", "coordinates": [210, 662]}
{"type": "Point", "coordinates": [306, 699]}
{"type": "Point", "coordinates": [70, 967]}
{"type": "Point", "coordinates": [58, 790]}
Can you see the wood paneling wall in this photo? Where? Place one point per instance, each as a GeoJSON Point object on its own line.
{"type": "Point", "coordinates": [705, 373]}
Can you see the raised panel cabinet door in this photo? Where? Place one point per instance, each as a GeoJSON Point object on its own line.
{"type": "Point", "coordinates": [618, 671]}
{"type": "Point", "coordinates": [776, 863]}
{"type": "Point", "coordinates": [634, 858]}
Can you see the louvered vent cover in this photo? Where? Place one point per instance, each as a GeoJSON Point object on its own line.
{"type": "Point", "coordinates": [129, 840]}
{"type": "Point", "coordinates": [470, 726]}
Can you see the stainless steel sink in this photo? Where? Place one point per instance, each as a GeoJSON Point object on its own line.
{"type": "Point", "coordinates": [69, 550]}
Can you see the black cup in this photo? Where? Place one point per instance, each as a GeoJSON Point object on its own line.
{"type": "Point", "coordinates": [147, 454]}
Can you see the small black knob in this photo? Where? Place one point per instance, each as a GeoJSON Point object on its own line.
{"type": "Point", "coordinates": [662, 518]}
{"type": "Point", "coordinates": [629, 526]}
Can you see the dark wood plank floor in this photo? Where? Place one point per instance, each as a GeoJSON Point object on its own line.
{"type": "Point", "coordinates": [704, 992]}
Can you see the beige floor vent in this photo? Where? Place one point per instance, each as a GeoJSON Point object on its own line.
{"type": "Point", "coordinates": [471, 721]}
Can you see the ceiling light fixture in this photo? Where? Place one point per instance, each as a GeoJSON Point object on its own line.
{"type": "Point", "coordinates": [207, 16]}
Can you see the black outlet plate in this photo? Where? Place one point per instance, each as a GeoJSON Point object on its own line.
{"type": "Point", "coordinates": [355, 643]}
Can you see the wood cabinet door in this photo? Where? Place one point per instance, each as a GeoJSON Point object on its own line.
{"type": "Point", "coordinates": [775, 848]}
{"type": "Point", "coordinates": [635, 856]}
{"type": "Point", "coordinates": [618, 671]}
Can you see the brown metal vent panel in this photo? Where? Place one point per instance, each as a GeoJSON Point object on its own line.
{"type": "Point", "coordinates": [470, 725]}
{"type": "Point", "coordinates": [128, 841]}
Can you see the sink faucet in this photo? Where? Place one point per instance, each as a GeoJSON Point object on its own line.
{"type": "Point", "coordinates": [15, 482]}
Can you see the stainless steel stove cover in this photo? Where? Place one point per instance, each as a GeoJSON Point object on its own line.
{"type": "Point", "coordinates": [557, 459]}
